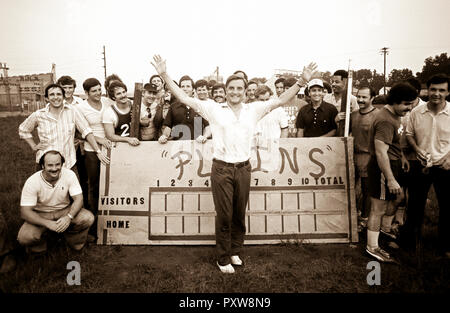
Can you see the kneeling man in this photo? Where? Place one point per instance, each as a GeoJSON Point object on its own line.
{"type": "Point", "coordinates": [45, 205]}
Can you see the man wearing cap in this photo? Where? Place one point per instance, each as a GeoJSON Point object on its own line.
{"type": "Point", "coordinates": [232, 124]}
{"type": "Point", "coordinates": [148, 111]}
{"type": "Point", "coordinates": [45, 205]}
{"type": "Point", "coordinates": [316, 119]}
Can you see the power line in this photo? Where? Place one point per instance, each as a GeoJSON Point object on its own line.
{"type": "Point", "coordinates": [104, 60]}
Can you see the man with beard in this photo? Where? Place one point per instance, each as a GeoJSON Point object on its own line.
{"type": "Point", "coordinates": [316, 119]}
{"type": "Point", "coordinates": [218, 93]}
{"type": "Point", "coordinates": [360, 125]}
{"type": "Point", "coordinates": [45, 205]}
{"type": "Point", "coordinates": [232, 124]}
{"type": "Point", "coordinates": [428, 133]}
{"type": "Point", "coordinates": [148, 112]}
{"type": "Point", "coordinates": [385, 165]}
{"type": "Point", "coordinates": [117, 118]}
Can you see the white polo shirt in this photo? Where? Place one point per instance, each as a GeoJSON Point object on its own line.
{"type": "Point", "coordinates": [431, 132]}
{"type": "Point", "coordinates": [232, 136]}
{"type": "Point", "coordinates": [39, 193]}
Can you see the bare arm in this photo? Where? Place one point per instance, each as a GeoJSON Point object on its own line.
{"type": "Point", "coordinates": [284, 132]}
{"type": "Point", "coordinates": [381, 150]}
{"type": "Point", "coordinates": [300, 132]}
{"type": "Point", "coordinates": [160, 66]}
{"type": "Point", "coordinates": [101, 156]}
{"type": "Point", "coordinates": [29, 215]}
{"type": "Point", "coordinates": [111, 135]}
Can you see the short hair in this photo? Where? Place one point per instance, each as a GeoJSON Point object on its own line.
{"type": "Point", "coordinates": [239, 71]}
{"type": "Point", "coordinates": [218, 86]}
{"type": "Point", "coordinates": [54, 86]}
{"type": "Point", "coordinates": [327, 86]}
{"type": "Point", "coordinates": [236, 77]}
{"type": "Point", "coordinates": [110, 78]}
{"type": "Point", "coordinates": [279, 80]}
{"type": "Point", "coordinates": [115, 84]}
{"type": "Point", "coordinates": [262, 89]}
{"type": "Point", "coordinates": [438, 79]}
{"type": "Point", "coordinates": [186, 77]}
{"type": "Point", "coordinates": [42, 159]}
{"type": "Point", "coordinates": [200, 83]}
{"type": "Point", "coordinates": [289, 82]}
{"type": "Point", "coordinates": [89, 83]}
{"type": "Point", "coordinates": [66, 80]}
{"type": "Point", "coordinates": [252, 81]}
{"type": "Point", "coordinates": [211, 83]}
{"type": "Point", "coordinates": [371, 90]}
{"type": "Point", "coordinates": [401, 92]}
{"type": "Point", "coordinates": [156, 75]}
{"type": "Point", "coordinates": [415, 83]}
{"type": "Point", "coordinates": [342, 73]}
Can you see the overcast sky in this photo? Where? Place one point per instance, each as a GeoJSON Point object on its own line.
{"type": "Point", "coordinates": [195, 36]}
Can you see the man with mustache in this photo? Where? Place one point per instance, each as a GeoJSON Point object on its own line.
{"type": "Point", "coordinates": [428, 133]}
{"type": "Point", "coordinates": [218, 93]}
{"type": "Point", "coordinates": [385, 165]}
{"type": "Point", "coordinates": [117, 118]}
{"type": "Point", "coordinates": [360, 124]}
{"type": "Point", "coordinates": [45, 205]}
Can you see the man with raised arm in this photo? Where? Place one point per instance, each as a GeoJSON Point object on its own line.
{"type": "Point", "coordinates": [232, 125]}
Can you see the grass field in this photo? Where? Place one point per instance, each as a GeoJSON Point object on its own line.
{"type": "Point", "coordinates": [287, 268]}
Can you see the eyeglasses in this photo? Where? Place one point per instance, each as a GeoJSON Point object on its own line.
{"type": "Point", "coordinates": [149, 112]}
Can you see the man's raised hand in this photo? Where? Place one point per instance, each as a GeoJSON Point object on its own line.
{"type": "Point", "coordinates": [159, 65]}
{"type": "Point", "coordinates": [309, 71]}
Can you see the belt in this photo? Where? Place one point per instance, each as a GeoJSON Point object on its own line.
{"type": "Point", "coordinates": [238, 164]}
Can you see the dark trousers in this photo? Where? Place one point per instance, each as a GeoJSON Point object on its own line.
{"type": "Point", "coordinates": [230, 188]}
{"type": "Point", "coordinates": [93, 173]}
{"type": "Point", "coordinates": [419, 186]}
{"type": "Point", "coordinates": [82, 177]}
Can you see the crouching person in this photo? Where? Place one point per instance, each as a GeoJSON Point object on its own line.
{"type": "Point", "coordinates": [45, 205]}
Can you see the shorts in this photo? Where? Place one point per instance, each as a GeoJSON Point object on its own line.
{"type": "Point", "coordinates": [378, 188]}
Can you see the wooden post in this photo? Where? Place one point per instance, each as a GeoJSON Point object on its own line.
{"type": "Point", "coordinates": [136, 111]}
{"type": "Point", "coordinates": [348, 106]}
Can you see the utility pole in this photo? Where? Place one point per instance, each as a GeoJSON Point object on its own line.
{"type": "Point", "coordinates": [384, 51]}
{"type": "Point", "coordinates": [104, 60]}
{"type": "Point", "coordinates": [6, 80]}
{"type": "Point", "coordinates": [217, 74]}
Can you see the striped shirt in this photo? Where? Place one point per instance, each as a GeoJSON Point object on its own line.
{"type": "Point", "coordinates": [58, 133]}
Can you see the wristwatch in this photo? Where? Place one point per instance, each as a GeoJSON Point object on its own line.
{"type": "Point", "coordinates": [98, 151]}
{"type": "Point", "coordinates": [70, 216]}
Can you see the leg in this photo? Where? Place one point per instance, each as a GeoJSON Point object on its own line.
{"type": "Point", "coordinates": [76, 234]}
{"type": "Point", "coordinates": [240, 200]}
{"type": "Point", "coordinates": [31, 236]}
{"type": "Point", "coordinates": [222, 190]}
{"type": "Point", "coordinates": [441, 180]}
{"type": "Point", "coordinates": [365, 210]}
{"type": "Point", "coordinates": [83, 177]}
{"type": "Point", "coordinates": [93, 171]}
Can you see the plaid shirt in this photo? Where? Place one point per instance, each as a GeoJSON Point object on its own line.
{"type": "Point", "coordinates": [57, 134]}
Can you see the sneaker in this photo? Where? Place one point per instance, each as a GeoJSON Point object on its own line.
{"type": "Point", "coordinates": [392, 233]}
{"type": "Point", "coordinates": [226, 269]}
{"type": "Point", "coordinates": [380, 254]}
{"type": "Point", "coordinates": [236, 260]}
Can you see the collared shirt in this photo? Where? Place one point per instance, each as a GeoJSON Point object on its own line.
{"type": "Point", "coordinates": [179, 114]}
{"type": "Point", "coordinates": [57, 134]}
{"type": "Point", "coordinates": [270, 126]}
{"type": "Point", "coordinates": [44, 197]}
{"type": "Point", "coordinates": [330, 98]}
{"type": "Point", "coordinates": [431, 132]}
{"type": "Point", "coordinates": [232, 136]}
{"type": "Point", "coordinates": [317, 122]}
{"type": "Point", "coordinates": [76, 101]}
{"type": "Point", "coordinates": [148, 132]}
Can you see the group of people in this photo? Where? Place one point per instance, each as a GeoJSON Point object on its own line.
{"type": "Point", "coordinates": [404, 145]}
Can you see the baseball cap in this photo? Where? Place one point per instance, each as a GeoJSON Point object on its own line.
{"type": "Point", "coordinates": [151, 87]}
{"type": "Point", "coordinates": [315, 82]}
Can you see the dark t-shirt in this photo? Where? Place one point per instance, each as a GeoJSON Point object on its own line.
{"type": "Point", "coordinates": [360, 124]}
{"type": "Point", "coordinates": [387, 128]}
{"type": "Point", "coordinates": [123, 123]}
{"type": "Point", "coordinates": [179, 114]}
{"type": "Point", "coordinates": [317, 122]}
